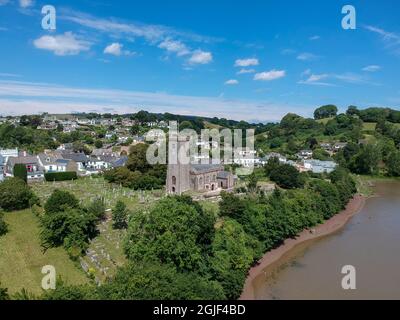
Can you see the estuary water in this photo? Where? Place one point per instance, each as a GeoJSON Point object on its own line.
{"type": "Point", "coordinates": [370, 242]}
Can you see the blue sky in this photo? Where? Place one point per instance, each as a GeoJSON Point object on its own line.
{"type": "Point", "coordinates": [250, 60]}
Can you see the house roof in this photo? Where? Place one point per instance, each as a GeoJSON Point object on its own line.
{"type": "Point", "coordinates": [120, 162]}
{"type": "Point", "coordinates": [22, 160]}
{"type": "Point", "coordinates": [77, 157]}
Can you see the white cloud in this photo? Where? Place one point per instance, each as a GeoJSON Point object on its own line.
{"type": "Point", "coordinates": [152, 33]}
{"type": "Point", "coordinates": [315, 79]}
{"type": "Point", "coordinates": [306, 56]}
{"type": "Point", "coordinates": [17, 97]}
{"type": "Point", "coordinates": [62, 45]}
{"type": "Point", "coordinates": [25, 3]}
{"type": "Point", "coordinates": [246, 62]}
{"type": "Point", "coordinates": [371, 68]}
{"type": "Point", "coordinates": [313, 38]}
{"type": "Point", "coordinates": [200, 57]}
{"type": "Point", "coordinates": [174, 46]}
{"type": "Point", "coordinates": [244, 71]}
{"type": "Point", "coordinates": [391, 39]}
{"type": "Point", "coordinates": [232, 82]}
{"type": "Point", "coordinates": [116, 50]}
{"type": "Point", "coordinates": [270, 75]}
{"type": "Point", "coordinates": [4, 2]}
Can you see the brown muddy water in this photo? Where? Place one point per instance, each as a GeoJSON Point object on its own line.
{"type": "Point", "coordinates": [370, 242]}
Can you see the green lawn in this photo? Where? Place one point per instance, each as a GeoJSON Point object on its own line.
{"type": "Point", "coordinates": [88, 189]}
{"type": "Point", "coordinates": [21, 256]}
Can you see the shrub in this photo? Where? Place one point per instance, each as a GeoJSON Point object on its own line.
{"type": "Point", "coordinates": [20, 172]}
{"type": "Point", "coordinates": [60, 176]}
{"type": "Point", "coordinates": [120, 216]}
{"type": "Point", "coordinates": [15, 194]}
{"type": "Point", "coordinates": [3, 225]}
{"type": "Point", "coordinates": [59, 201]}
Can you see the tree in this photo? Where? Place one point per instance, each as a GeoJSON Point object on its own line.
{"type": "Point", "coordinates": [60, 201]}
{"type": "Point", "coordinates": [71, 228]}
{"type": "Point", "coordinates": [393, 164]}
{"type": "Point", "coordinates": [154, 281]}
{"type": "Point", "coordinates": [175, 231]}
{"type": "Point", "coordinates": [15, 194]}
{"type": "Point", "coordinates": [287, 176]}
{"type": "Point", "coordinates": [325, 112]}
{"type": "Point", "coordinates": [252, 183]}
{"type": "Point", "coordinates": [367, 160]}
{"type": "Point", "coordinates": [231, 257]}
{"type": "Point", "coordinates": [120, 216]}
{"type": "Point", "coordinates": [20, 172]}
{"type": "Point", "coordinates": [97, 208]}
{"type": "Point", "coordinates": [137, 158]}
{"type": "Point", "coordinates": [352, 111]}
{"type": "Point", "coordinates": [98, 144]}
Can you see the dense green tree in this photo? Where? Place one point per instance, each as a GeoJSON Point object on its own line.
{"type": "Point", "coordinates": [120, 216]}
{"type": "Point", "coordinates": [137, 158]}
{"type": "Point", "coordinates": [173, 231]}
{"type": "Point", "coordinates": [15, 194]}
{"type": "Point", "coordinates": [231, 257]}
{"type": "Point", "coordinates": [325, 112]}
{"type": "Point", "coordinates": [287, 176]}
{"type": "Point", "coordinates": [98, 144]}
{"type": "Point", "coordinates": [367, 160]}
{"type": "Point", "coordinates": [393, 164]}
{"type": "Point", "coordinates": [59, 201]}
{"type": "Point", "coordinates": [152, 281]}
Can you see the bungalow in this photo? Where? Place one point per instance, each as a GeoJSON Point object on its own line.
{"type": "Point", "coordinates": [318, 166]}
{"type": "Point", "coordinates": [33, 168]}
{"type": "Point", "coordinates": [80, 159]}
{"type": "Point", "coordinates": [53, 162]}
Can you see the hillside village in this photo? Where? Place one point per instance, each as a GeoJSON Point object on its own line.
{"type": "Point", "coordinates": [107, 142]}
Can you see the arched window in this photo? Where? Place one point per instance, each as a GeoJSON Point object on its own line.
{"type": "Point", "coordinates": [173, 180]}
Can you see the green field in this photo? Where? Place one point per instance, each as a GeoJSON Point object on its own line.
{"type": "Point", "coordinates": [21, 256]}
{"type": "Point", "coordinates": [369, 126]}
{"type": "Point", "coordinates": [89, 189]}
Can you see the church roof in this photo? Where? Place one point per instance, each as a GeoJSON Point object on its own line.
{"type": "Point", "coordinates": [223, 174]}
{"type": "Point", "coordinates": [205, 168]}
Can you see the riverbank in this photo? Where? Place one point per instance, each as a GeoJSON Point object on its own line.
{"type": "Point", "coordinates": [330, 226]}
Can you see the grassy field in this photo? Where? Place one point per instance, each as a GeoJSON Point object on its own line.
{"type": "Point", "coordinates": [369, 126]}
{"type": "Point", "coordinates": [88, 189]}
{"type": "Point", "coordinates": [21, 256]}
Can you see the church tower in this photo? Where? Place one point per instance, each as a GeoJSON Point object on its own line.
{"type": "Point", "coordinates": [178, 174]}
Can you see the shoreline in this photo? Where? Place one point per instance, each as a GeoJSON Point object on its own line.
{"type": "Point", "coordinates": [330, 226]}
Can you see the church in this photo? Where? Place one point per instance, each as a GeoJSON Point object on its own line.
{"type": "Point", "coordinates": [196, 177]}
